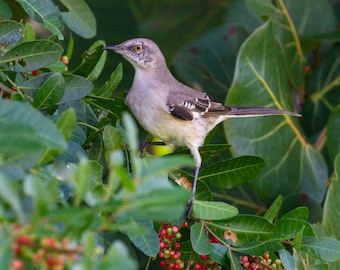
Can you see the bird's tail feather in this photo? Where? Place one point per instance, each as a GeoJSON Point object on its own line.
{"type": "Point", "coordinates": [257, 111]}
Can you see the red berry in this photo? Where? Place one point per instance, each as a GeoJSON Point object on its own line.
{"type": "Point", "coordinates": [266, 256]}
{"type": "Point", "coordinates": [17, 264]}
{"type": "Point", "coordinates": [24, 240]}
{"type": "Point", "coordinates": [64, 59]}
{"type": "Point", "coordinates": [172, 253]}
{"type": "Point", "coordinates": [161, 254]}
{"type": "Point", "coordinates": [204, 257]}
{"type": "Point", "coordinates": [35, 72]}
{"type": "Point", "coordinates": [246, 264]}
{"type": "Point", "coordinates": [162, 263]}
{"type": "Point", "coordinates": [245, 259]}
{"type": "Point", "coordinates": [177, 246]}
{"type": "Point", "coordinates": [197, 266]}
{"type": "Point", "coordinates": [185, 225]}
{"type": "Point", "coordinates": [166, 225]}
{"type": "Point", "coordinates": [14, 88]}
{"type": "Point", "coordinates": [175, 229]}
{"type": "Point", "coordinates": [163, 232]}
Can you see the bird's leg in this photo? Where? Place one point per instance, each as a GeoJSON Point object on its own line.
{"type": "Point", "coordinates": [193, 190]}
{"type": "Point", "coordinates": [144, 145]}
{"type": "Point", "coordinates": [198, 160]}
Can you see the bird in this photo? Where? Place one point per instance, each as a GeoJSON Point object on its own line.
{"type": "Point", "coordinates": [170, 110]}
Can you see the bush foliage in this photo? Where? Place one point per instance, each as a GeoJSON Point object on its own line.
{"type": "Point", "coordinates": [76, 194]}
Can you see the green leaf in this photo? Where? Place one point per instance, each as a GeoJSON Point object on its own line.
{"type": "Point", "coordinates": [118, 257]}
{"type": "Point", "coordinates": [218, 254]}
{"type": "Point", "coordinates": [66, 123]}
{"type": "Point", "coordinates": [232, 172]}
{"type": "Point", "coordinates": [36, 188]}
{"type": "Point", "coordinates": [93, 62]}
{"type": "Point", "coordinates": [274, 209]}
{"type": "Point", "coordinates": [29, 33]}
{"type": "Point", "coordinates": [76, 87]}
{"type": "Point", "coordinates": [199, 239]}
{"type": "Point", "coordinates": [209, 65]}
{"type": "Point", "coordinates": [82, 181]}
{"type": "Point", "coordinates": [146, 241]}
{"type": "Point", "coordinates": [107, 89]}
{"type": "Point", "coordinates": [26, 132]}
{"type": "Point", "coordinates": [331, 209]}
{"type": "Point", "coordinates": [333, 131]}
{"type": "Point", "coordinates": [11, 32]}
{"type": "Point", "coordinates": [5, 249]}
{"type": "Point", "coordinates": [322, 94]}
{"type": "Point", "coordinates": [45, 12]}
{"type": "Point", "coordinates": [112, 139]}
{"type": "Point", "coordinates": [5, 14]}
{"type": "Point", "coordinates": [9, 193]}
{"type": "Point", "coordinates": [79, 19]}
{"type": "Point", "coordinates": [297, 213]}
{"type": "Point", "coordinates": [234, 261]}
{"type": "Point", "coordinates": [324, 248]}
{"type": "Point", "coordinates": [208, 210]}
{"type": "Point", "coordinates": [294, 164]}
{"type": "Point", "coordinates": [288, 228]}
{"type": "Point", "coordinates": [259, 248]}
{"type": "Point", "coordinates": [31, 55]}
{"type": "Point", "coordinates": [159, 203]}
{"type": "Point", "coordinates": [287, 259]}
{"type": "Point", "coordinates": [163, 164]}
{"type": "Point", "coordinates": [50, 92]}
{"type": "Point", "coordinates": [246, 229]}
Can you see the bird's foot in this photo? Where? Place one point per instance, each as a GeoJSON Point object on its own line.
{"type": "Point", "coordinates": [190, 206]}
{"type": "Point", "coordinates": [144, 146]}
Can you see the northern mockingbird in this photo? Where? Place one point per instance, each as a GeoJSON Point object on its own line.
{"type": "Point", "coordinates": [170, 110]}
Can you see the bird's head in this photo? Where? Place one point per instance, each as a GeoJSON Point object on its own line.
{"type": "Point", "coordinates": [142, 53]}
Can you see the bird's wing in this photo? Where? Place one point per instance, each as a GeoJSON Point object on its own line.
{"type": "Point", "coordinates": [194, 105]}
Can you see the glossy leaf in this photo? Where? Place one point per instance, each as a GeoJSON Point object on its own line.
{"type": "Point", "coordinates": [6, 14]}
{"type": "Point", "coordinates": [289, 228]}
{"type": "Point", "coordinates": [199, 239]}
{"type": "Point", "coordinates": [107, 89]}
{"type": "Point", "coordinates": [66, 123]}
{"type": "Point", "coordinates": [297, 213]}
{"type": "Point", "coordinates": [287, 259]}
{"type": "Point", "coordinates": [118, 257]}
{"type": "Point", "coordinates": [79, 19]}
{"type": "Point", "coordinates": [294, 164]}
{"type": "Point", "coordinates": [208, 65]}
{"type": "Point", "coordinates": [333, 131]}
{"type": "Point", "coordinates": [45, 12]}
{"type": "Point", "coordinates": [244, 229]}
{"type": "Point", "coordinates": [35, 132]}
{"type": "Point", "coordinates": [31, 55]}
{"type": "Point", "coordinates": [259, 248]}
{"type": "Point", "coordinates": [50, 92]}
{"type": "Point", "coordinates": [208, 210]}
{"type": "Point", "coordinates": [147, 241]}
{"type": "Point", "coordinates": [322, 93]}
{"type": "Point", "coordinates": [92, 62]}
{"type": "Point", "coordinates": [274, 209]}
{"type": "Point", "coordinates": [112, 139]}
{"type": "Point", "coordinates": [11, 32]}
{"type": "Point", "coordinates": [76, 87]}
{"type": "Point", "coordinates": [232, 172]}
{"type": "Point", "coordinates": [330, 217]}
{"type": "Point", "coordinates": [327, 249]}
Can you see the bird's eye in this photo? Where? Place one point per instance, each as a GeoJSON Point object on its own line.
{"type": "Point", "coordinates": [138, 47]}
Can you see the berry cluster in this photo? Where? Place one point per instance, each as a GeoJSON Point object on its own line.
{"type": "Point", "coordinates": [205, 263]}
{"type": "Point", "coordinates": [263, 262]}
{"type": "Point", "coordinates": [48, 252]}
{"type": "Point", "coordinates": [170, 254]}
{"type": "Point", "coordinates": [169, 244]}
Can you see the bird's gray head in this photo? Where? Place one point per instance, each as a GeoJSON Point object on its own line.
{"type": "Point", "coordinates": [142, 53]}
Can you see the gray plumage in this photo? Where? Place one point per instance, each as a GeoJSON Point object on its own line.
{"type": "Point", "coordinates": [170, 110]}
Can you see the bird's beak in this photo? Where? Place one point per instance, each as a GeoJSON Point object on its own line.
{"type": "Point", "coordinates": [116, 48]}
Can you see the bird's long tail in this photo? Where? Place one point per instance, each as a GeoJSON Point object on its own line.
{"type": "Point", "coordinates": [257, 111]}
